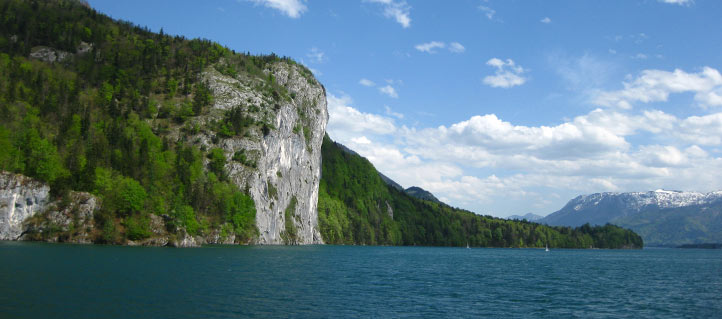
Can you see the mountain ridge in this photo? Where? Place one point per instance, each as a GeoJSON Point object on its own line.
{"type": "Point", "coordinates": [667, 218]}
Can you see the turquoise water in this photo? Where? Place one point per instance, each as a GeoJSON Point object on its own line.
{"type": "Point", "coordinates": [75, 281]}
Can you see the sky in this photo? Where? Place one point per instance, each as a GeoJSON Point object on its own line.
{"type": "Point", "coordinates": [498, 107]}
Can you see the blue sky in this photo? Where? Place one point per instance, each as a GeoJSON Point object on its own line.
{"type": "Point", "coordinates": [500, 107]}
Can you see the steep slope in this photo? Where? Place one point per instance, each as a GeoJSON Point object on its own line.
{"type": "Point", "coordinates": [421, 193]}
{"type": "Point", "coordinates": [182, 141]}
{"type": "Point", "coordinates": [357, 207]}
{"type": "Point", "coordinates": [661, 217]}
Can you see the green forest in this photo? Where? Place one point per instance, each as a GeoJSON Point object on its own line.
{"type": "Point", "coordinates": [354, 202]}
{"type": "Point", "coordinates": [97, 121]}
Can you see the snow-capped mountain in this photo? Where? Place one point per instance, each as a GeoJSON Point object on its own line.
{"type": "Point", "coordinates": [660, 198]}
{"type": "Point", "coordinates": [666, 217]}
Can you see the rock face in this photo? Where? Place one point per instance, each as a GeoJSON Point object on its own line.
{"type": "Point", "coordinates": [286, 159]}
{"type": "Point", "coordinates": [69, 220]}
{"type": "Point", "coordinates": [20, 198]}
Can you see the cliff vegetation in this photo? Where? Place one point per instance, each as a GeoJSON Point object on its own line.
{"type": "Point", "coordinates": [91, 104]}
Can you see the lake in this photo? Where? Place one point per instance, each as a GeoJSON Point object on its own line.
{"type": "Point", "coordinates": [39, 280]}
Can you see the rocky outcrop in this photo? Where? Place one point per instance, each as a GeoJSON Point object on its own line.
{"type": "Point", "coordinates": [20, 198]}
{"type": "Point", "coordinates": [286, 159]}
{"type": "Point", "coordinates": [52, 55]}
{"type": "Point", "coordinates": [66, 220]}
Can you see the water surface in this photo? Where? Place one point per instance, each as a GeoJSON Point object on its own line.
{"type": "Point", "coordinates": [75, 281]}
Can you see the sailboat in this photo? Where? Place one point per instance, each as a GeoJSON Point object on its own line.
{"type": "Point", "coordinates": [547, 248]}
{"type": "Point", "coordinates": [467, 245]}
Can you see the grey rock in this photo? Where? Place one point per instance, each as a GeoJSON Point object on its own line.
{"type": "Point", "coordinates": [68, 220]}
{"type": "Point", "coordinates": [183, 239]}
{"type": "Point", "coordinates": [286, 161]}
{"type": "Point", "coordinates": [20, 198]}
{"type": "Point", "coordinates": [48, 54]}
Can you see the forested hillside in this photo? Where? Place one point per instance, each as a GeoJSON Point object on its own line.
{"type": "Point", "coordinates": [91, 104]}
{"type": "Point", "coordinates": [357, 207]}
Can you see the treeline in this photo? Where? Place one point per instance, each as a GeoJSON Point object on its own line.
{"type": "Point", "coordinates": [98, 121]}
{"type": "Point", "coordinates": [357, 207]}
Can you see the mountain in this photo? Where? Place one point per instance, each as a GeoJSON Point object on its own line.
{"type": "Point", "coordinates": [114, 134]}
{"type": "Point", "coordinates": [356, 206]}
{"type": "Point", "coordinates": [529, 216]}
{"type": "Point", "coordinates": [661, 217]}
{"type": "Point", "coordinates": [421, 193]}
{"type": "Point", "coordinates": [173, 141]}
{"type": "Point", "coordinates": [390, 182]}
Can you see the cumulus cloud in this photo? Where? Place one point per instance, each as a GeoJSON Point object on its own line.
{"type": "Point", "coordinates": [430, 47]}
{"type": "Point", "coordinates": [546, 20]}
{"type": "Point", "coordinates": [291, 8]}
{"type": "Point", "coordinates": [476, 162]}
{"type": "Point", "coordinates": [456, 47]}
{"type": "Point", "coordinates": [397, 10]}
{"type": "Point", "coordinates": [366, 82]}
{"type": "Point", "coordinates": [389, 90]}
{"type": "Point", "coordinates": [316, 55]}
{"type": "Point", "coordinates": [347, 122]}
{"type": "Point", "coordinates": [657, 85]}
{"type": "Point", "coordinates": [507, 74]}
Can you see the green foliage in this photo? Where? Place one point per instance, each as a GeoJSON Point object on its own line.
{"type": "Point", "coordinates": [290, 232]}
{"type": "Point", "coordinates": [217, 163]}
{"type": "Point", "coordinates": [353, 209]}
{"type": "Point", "coordinates": [272, 191]}
{"type": "Point", "coordinates": [235, 122]}
{"type": "Point", "coordinates": [238, 209]}
{"type": "Point", "coordinates": [307, 134]}
{"type": "Point", "coordinates": [130, 195]}
{"type": "Point", "coordinates": [186, 218]}
{"type": "Point", "coordinates": [137, 227]}
{"type": "Point", "coordinates": [240, 156]}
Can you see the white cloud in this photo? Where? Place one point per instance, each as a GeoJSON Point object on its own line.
{"type": "Point", "coordinates": [392, 113]}
{"type": "Point", "coordinates": [366, 82]}
{"type": "Point", "coordinates": [640, 56]}
{"type": "Point", "coordinates": [346, 122]}
{"type": "Point", "coordinates": [390, 91]}
{"type": "Point", "coordinates": [430, 47]}
{"type": "Point", "coordinates": [507, 74]}
{"type": "Point", "coordinates": [485, 161]}
{"type": "Point", "coordinates": [679, 2]}
{"type": "Point", "coordinates": [316, 55]}
{"type": "Point", "coordinates": [361, 140]}
{"type": "Point", "coordinates": [489, 12]}
{"type": "Point", "coordinates": [291, 8]}
{"type": "Point", "coordinates": [545, 20]}
{"type": "Point", "coordinates": [456, 47]}
{"type": "Point", "coordinates": [398, 10]}
{"type": "Point", "coordinates": [657, 85]}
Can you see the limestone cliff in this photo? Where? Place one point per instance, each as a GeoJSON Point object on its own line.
{"type": "Point", "coordinates": [20, 198]}
{"type": "Point", "coordinates": [286, 170]}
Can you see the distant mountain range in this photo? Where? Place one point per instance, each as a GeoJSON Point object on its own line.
{"type": "Point", "coordinates": [661, 217]}
{"type": "Point", "coordinates": [530, 217]}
